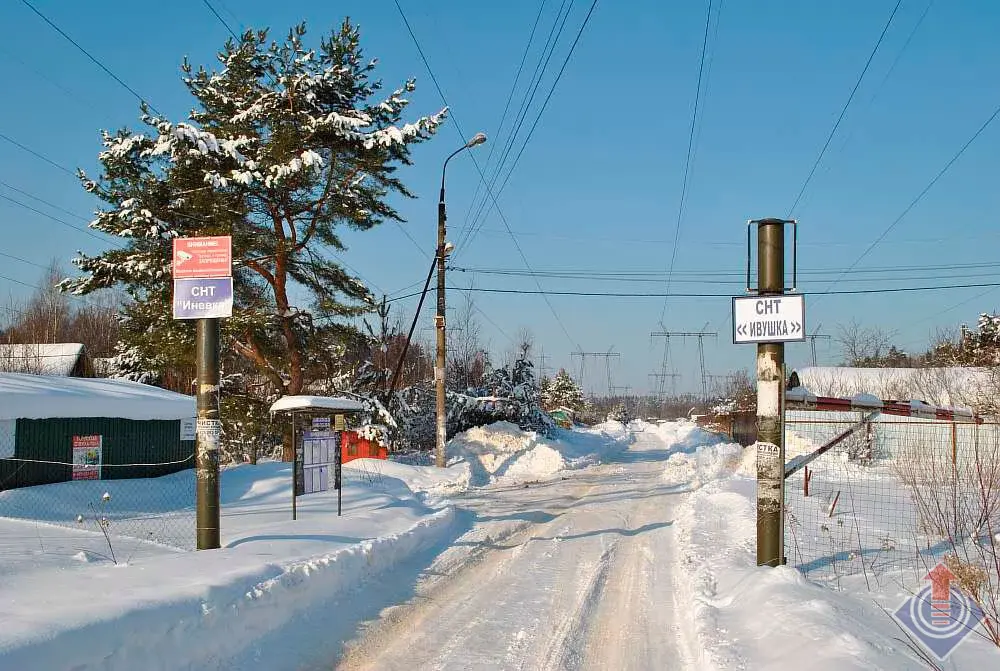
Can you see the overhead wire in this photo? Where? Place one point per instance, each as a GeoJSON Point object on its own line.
{"type": "Point", "coordinates": [687, 160]}
{"type": "Point", "coordinates": [89, 55]}
{"type": "Point", "coordinates": [548, 97]}
{"type": "Point", "coordinates": [843, 110]}
{"type": "Point", "coordinates": [541, 65]}
{"type": "Point", "coordinates": [503, 116]}
{"type": "Point", "coordinates": [923, 192]}
{"type": "Point", "coordinates": [633, 294]}
{"type": "Point", "coordinates": [482, 176]}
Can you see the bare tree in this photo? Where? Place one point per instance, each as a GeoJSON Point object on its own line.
{"type": "Point", "coordinates": [468, 359]}
{"type": "Point", "coordinates": [864, 346]}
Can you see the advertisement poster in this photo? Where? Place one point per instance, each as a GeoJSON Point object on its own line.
{"type": "Point", "coordinates": [87, 457]}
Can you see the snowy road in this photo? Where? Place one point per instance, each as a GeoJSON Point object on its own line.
{"type": "Point", "coordinates": [570, 574]}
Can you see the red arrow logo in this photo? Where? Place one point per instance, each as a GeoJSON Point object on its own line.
{"type": "Point", "coordinates": [940, 577]}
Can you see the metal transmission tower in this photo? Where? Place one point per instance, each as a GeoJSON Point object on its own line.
{"type": "Point", "coordinates": [661, 384]}
{"type": "Point", "coordinates": [816, 335]}
{"type": "Point", "coordinates": [700, 335]}
{"type": "Point", "coordinates": [607, 356]}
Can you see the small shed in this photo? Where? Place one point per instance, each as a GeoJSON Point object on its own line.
{"type": "Point", "coordinates": [55, 429]}
{"type": "Point", "coordinates": [66, 359]}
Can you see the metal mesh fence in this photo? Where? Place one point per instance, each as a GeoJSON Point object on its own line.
{"type": "Point", "coordinates": [106, 518]}
{"type": "Point", "coordinates": [891, 499]}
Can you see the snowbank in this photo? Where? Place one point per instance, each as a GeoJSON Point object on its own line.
{"type": "Point", "coordinates": [275, 580]}
{"type": "Point", "coordinates": [502, 453]}
{"type": "Point", "coordinates": [810, 626]}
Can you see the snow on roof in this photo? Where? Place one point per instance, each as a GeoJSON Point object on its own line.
{"type": "Point", "coordinates": [302, 403]}
{"type": "Point", "coordinates": [41, 359]}
{"type": "Point", "coordinates": [935, 386]}
{"type": "Point", "coordinates": [25, 396]}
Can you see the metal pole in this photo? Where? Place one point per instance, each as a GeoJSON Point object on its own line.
{"type": "Point", "coordinates": [209, 430]}
{"type": "Point", "coordinates": [770, 388]}
{"type": "Point", "coordinates": [439, 324]}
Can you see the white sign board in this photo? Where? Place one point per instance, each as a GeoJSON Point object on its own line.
{"type": "Point", "coordinates": [758, 319]}
{"type": "Point", "coordinates": [189, 429]}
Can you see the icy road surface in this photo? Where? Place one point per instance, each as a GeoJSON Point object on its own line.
{"type": "Point", "coordinates": [569, 574]}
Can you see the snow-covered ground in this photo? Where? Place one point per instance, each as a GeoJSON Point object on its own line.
{"type": "Point", "coordinates": [611, 547]}
{"type": "Point", "coordinates": [280, 593]}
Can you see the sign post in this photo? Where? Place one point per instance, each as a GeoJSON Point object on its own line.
{"type": "Point", "coordinates": [770, 319]}
{"type": "Point", "coordinates": [203, 290]}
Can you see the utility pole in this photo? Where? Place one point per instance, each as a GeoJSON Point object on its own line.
{"type": "Point", "coordinates": [816, 335]}
{"type": "Point", "coordinates": [209, 424]}
{"type": "Point", "coordinates": [700, 335]}
{"type": "Point", "coordinates": [770, 397]}
{"type": "Point", "coordinates": [443, 249]}
{"type": "Point", "coordinates": [661, 379]}
{"type": "Point", "coordinates": [607, 356]}
{"type": "Point", "coordinates": [543, 367]}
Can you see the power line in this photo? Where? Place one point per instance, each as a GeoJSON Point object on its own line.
{"type": "Point", "coordinates": [26, 284]}
{"type": "Point", "coordinates": [18, 258]}
{"type": "Point", "coordinates": [892, 68]}
{"type": "Point", "coordinates": [34, 153]}
{"type": "Point", "coordinates": [843, 110]}
{"type": "Point", "coordinates": [548, 97]}
{"type": "Point", "coordinates": [687, 160]}
{"type": "Point", "coordinates": [629, 294]}
{"type": "Point", "coordinates": [56, 219]}
{"type": "Point", "coordinates": [503, 116]}
{"type": "Point", "coordinates": [43, 201]}
{"type": "Point", "coordinates": [548, 49]}
{"type": "Point", "coordinates": [482, 176]}
{"type": "Point", "coordinates": [89, 55]}
{"type": "Point", "coordinates": [221, 20]}
{"type": "Point", "coordinates": [920, 196]}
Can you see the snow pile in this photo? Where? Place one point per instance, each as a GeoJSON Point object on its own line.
{"type": "Point", "coordinates": [502, 453]}
{"type": "Point", "coordinates": [267, 600]}
{"type": "Point", "coordinates": [705, 464]}
{"type": "Point", "coordinates": [808, 625]}
{"type": "Point", "coordinates": [429, 481]}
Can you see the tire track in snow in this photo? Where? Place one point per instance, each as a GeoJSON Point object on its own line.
{"type": "Point", "coordinates": [570, 574]}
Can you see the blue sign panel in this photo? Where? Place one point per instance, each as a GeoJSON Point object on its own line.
{"type": "Point", "coordinates": [203, 298]}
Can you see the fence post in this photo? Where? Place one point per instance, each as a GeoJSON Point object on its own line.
{"type": "Point", "coordinates": [770, 394]}
{"type": "Point", "coordinates": [954, 444]}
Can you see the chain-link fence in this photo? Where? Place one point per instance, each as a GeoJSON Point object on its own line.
{"type": "Point", "coordinates": [890, 497]}
{"type": "Point", "coordinates": [94, 514]}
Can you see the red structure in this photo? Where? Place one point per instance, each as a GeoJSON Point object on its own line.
{"type": "Point", "coordinates": [353, 447]}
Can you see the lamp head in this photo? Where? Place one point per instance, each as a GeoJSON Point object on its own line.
{"type": "Point", "coordinates": [477, 139]}
{"type": "Point", "coordinates": [448, 248]}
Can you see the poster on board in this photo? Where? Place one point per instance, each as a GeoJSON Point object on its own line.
{"type": "Point", "coordinates": [87, 457]}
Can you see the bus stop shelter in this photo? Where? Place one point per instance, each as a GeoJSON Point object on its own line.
{"type": "Point", "coordinates": [316, 445]}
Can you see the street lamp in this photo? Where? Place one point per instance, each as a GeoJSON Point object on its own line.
{"type": "Point", "coordinates": [443, 249]}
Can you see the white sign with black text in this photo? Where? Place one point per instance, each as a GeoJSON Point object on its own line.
{"type": "Point", "coordinates": [763, 319]}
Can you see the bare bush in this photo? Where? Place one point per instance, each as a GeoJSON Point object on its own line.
{"type": "Point", "coordinates": [957, 497]}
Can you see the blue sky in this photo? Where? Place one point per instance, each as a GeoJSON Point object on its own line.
{"type": "Point", "coordinates": [598, 186]}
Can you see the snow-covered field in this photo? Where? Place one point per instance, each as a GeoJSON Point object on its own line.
{"type": "Point", "coordinates": [611, 547]}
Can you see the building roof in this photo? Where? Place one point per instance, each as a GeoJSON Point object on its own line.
{"type": "Point", "coordinates": [316, 403]}
{"type": "Point", "coordinates": [24, 396]}
{"type": "Point", "coordinates": [41, 358]}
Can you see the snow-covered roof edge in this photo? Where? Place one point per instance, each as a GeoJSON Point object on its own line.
{"type": "Point", "coordinates": [303, 403]}
{"type": "Point", "coordinates": [25, 396]}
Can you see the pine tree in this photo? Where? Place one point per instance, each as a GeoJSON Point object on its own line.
{"type": "Point", "coordinates": [287, 146]}
{"type": "Point", "coordinates": [562, 391]}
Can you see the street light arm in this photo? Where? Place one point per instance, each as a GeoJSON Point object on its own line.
{"type": "Point", "coordinates": [445, 167]}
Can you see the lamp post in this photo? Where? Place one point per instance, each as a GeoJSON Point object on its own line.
{"type": "Point", "coordinates": [443, 249]}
